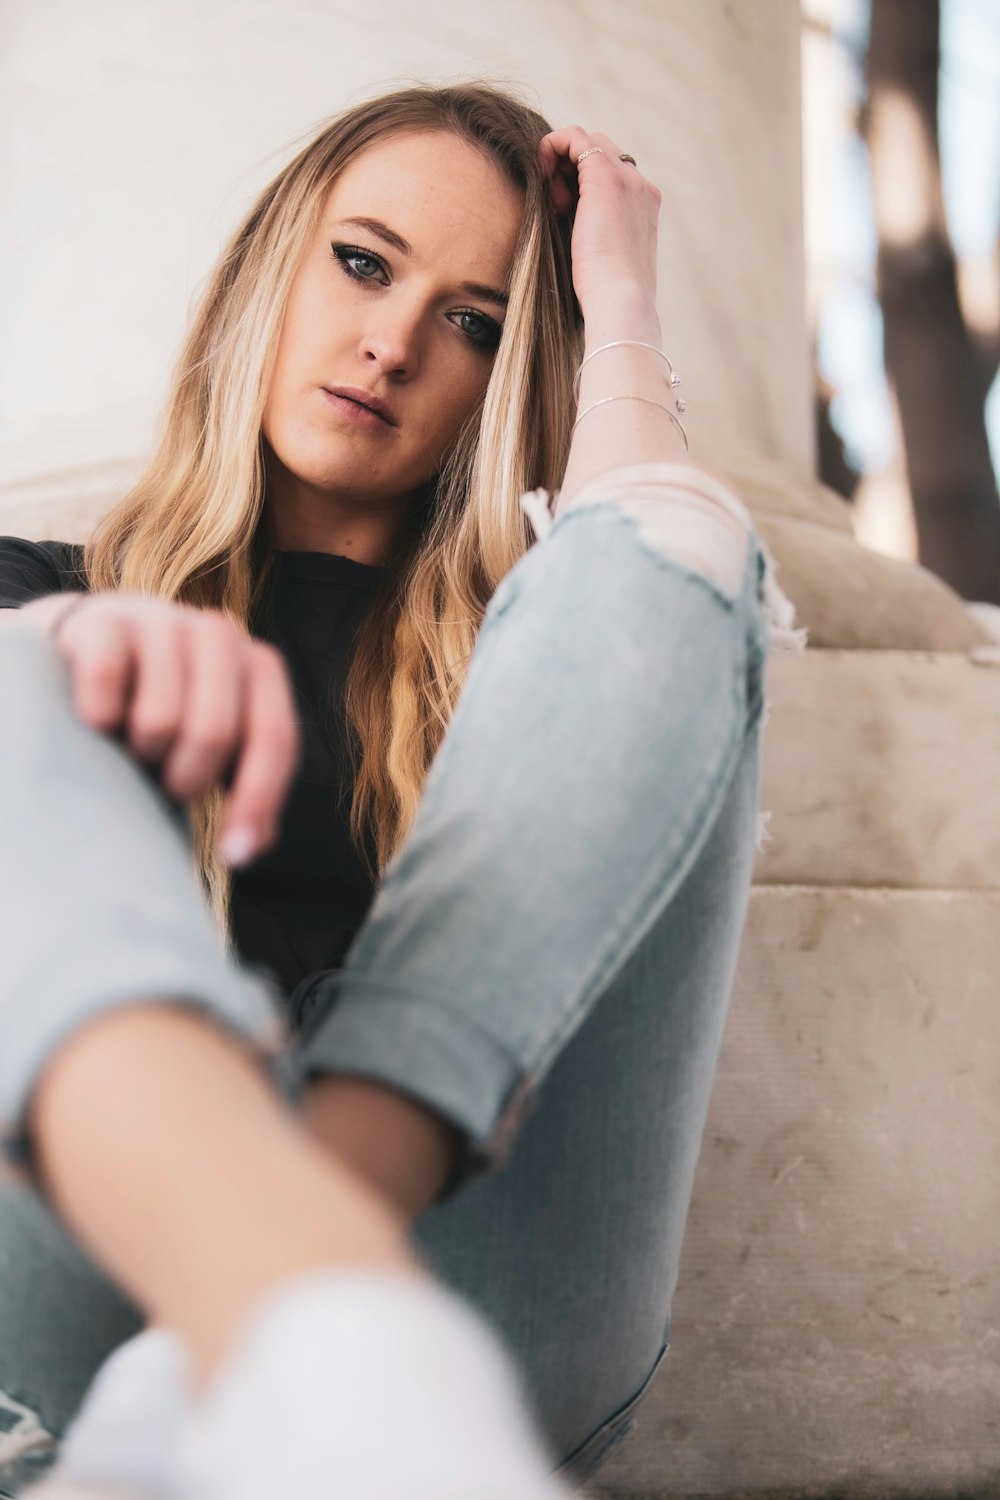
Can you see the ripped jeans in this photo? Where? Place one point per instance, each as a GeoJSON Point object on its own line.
{"type": "Point", "coordinates": [547, 962]}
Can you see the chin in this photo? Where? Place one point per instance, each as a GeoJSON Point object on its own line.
{"type": "Point", "coordinates": [339, 474]}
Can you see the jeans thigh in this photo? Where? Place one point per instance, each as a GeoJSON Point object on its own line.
{"type": "Point", "coordinates": [571, 1250]}
{"type": "Point", "coordinates": [60, 1318]}
{"type": "Point", "coordinates": [599, 728]}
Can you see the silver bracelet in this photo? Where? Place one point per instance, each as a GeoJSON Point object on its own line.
{"type": "Point", "coordinates": [649, 401]}
{"type": "Point", "coordinates": [675, 379]}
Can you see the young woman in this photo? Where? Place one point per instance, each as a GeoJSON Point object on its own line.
{"type": "Point", "coordinates": [477, 817]}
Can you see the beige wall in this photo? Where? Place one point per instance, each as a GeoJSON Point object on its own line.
{"type": "Point", "coordinates": [138, 130]}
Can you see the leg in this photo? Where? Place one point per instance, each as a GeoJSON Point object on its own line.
{"type": "Point", "coordinates": [96, 887]}
{"type": "Point", "coordinates": [571, 1251]}
{"type": "Point", "coordinates": [74, 812]}
{"type": "Point", "coordinates": [85, 940]}
{"type": "Point", "coordinates": [596, 788]}
{"type": "Point", "coordinates": [135, 1090]}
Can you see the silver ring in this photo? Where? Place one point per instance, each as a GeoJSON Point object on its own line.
{"type": "Point", "coordinates": [589, 152]}
{"type": "Point", "coordinates": [625, 157]}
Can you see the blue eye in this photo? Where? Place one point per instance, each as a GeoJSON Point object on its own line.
{"type": "Point", "coordinates": [484, 334]}
{"type": "Point", "coordinates": [346, 254]}
{"type": "Point", "coordinates": [477, 329]}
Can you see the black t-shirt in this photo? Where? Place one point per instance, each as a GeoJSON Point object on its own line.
{"type": "Point", "coordinates": [297, 907]}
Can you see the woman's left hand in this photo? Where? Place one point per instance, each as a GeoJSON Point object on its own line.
{"type": "Point", "coordinates": [615, 228]}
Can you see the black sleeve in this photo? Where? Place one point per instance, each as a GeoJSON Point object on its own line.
{"type": "Point", "coordinates": [30, 569]}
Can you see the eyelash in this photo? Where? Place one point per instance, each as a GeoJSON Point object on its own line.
{"type": "Point", "coordinates": [492, 329]}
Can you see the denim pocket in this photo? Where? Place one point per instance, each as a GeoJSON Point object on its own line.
{"type": "Point", "coordinates": [594, 1452]}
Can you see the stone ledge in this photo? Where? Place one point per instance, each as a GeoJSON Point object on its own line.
{"type": "Point", "coordinates": [835, 1325]}
{"type": "Point", "coordinates": [880, 769]}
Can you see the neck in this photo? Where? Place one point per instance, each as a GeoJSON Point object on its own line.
{"type": "Point", "coordinates": [305, 518]}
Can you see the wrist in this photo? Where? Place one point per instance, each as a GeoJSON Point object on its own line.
{"type": "Point", "coordinates": [628, 314]}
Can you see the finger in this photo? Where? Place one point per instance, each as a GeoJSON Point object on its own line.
{"type": "Point", "coordinates": [211, 728]}
{"type": "Point", "coordinates": [565, 144]}
{"type": "Point", "coordinates": [99, 650]}
{"type": "Point", "coordinates": [270, 753]}
{"type": "Point", "coordinates": [559, 151]}
{"type": "Point", "coordinates": [155, 713]}
{"type": "Point", "coordinates": [612, 151]}
{"type": "Point", "coordinates": [627, 171]}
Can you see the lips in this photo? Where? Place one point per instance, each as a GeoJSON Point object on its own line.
{"type": "Point", "coordinates": [366, 399]}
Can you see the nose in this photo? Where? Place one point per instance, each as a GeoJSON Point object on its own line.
{"type": "Point", "coordinates": [391, 340]}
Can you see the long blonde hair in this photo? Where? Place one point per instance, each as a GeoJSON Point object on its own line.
{"type": "Point", "coordinates": [194, 528]}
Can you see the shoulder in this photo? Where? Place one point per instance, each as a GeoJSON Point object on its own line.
{"type": "Point", "coordinates": [30, 569]}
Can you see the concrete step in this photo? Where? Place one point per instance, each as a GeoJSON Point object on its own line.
{"type": "Point", "coordinates": [837, 1323]}
{"type": "Point", "coordinates": [880, 768]}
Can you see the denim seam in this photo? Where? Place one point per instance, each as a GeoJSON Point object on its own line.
{"type": "Point", "coordinates": [621, 1422]}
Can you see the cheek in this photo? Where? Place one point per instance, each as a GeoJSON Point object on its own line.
{"type": "Point", "coordinates": [462, 394]}
{"type": "Point", "coordinates": [299, 361]}
{"type": "Point", "coordinates": [276, 400]}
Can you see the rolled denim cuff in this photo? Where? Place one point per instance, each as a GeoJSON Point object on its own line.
{"type": "Point", "coordinates": [430, 1050]}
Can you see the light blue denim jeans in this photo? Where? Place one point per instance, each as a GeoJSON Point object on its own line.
{"type": "Point", "coordinates": [547, 962]}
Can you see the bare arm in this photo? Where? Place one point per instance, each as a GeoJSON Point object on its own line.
{"type": "Point", "coordinates": [614, 274]}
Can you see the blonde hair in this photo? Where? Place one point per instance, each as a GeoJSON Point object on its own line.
{"type": "Point", "coordinates": [194, 528]}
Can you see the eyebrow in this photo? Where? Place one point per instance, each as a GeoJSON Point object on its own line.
{"type": "Point", "coordinates": [383, 232]}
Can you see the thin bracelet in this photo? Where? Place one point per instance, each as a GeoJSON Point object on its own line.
{"type": "Point", "coordinates": [53, 628]}
{"type": "Point", "coordinates": [675, 379]}
{"type": "Point", "coordinates": [649, 401]}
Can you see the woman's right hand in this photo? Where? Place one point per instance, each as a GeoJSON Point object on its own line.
{"type": "Point", "coordinates": [189, 692]}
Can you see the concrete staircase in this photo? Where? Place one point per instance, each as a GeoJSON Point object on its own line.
{"type": "Point", "coordinates": [837, 1323]}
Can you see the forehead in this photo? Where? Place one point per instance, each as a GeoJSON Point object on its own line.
{"type": "Point", "coordinates": [439, 192]}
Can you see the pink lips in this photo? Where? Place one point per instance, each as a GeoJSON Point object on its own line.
{"type": "Point", "coordinates": [360, 406]}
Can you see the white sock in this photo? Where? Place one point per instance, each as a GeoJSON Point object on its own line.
{"type": "Point", "coordinates": [125, 1433]}
{"type": "Point", "coordinates": [363, 1385]}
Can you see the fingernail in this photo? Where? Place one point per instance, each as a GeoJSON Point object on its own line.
{"type": "Point", "coordinates": [238, 845]}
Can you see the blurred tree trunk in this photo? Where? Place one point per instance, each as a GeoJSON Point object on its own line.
{"type": "Point", "coordinates": [936, 368]}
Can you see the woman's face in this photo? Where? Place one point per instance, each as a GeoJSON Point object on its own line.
{"type": "Point", "coordinates": [398, 300]}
